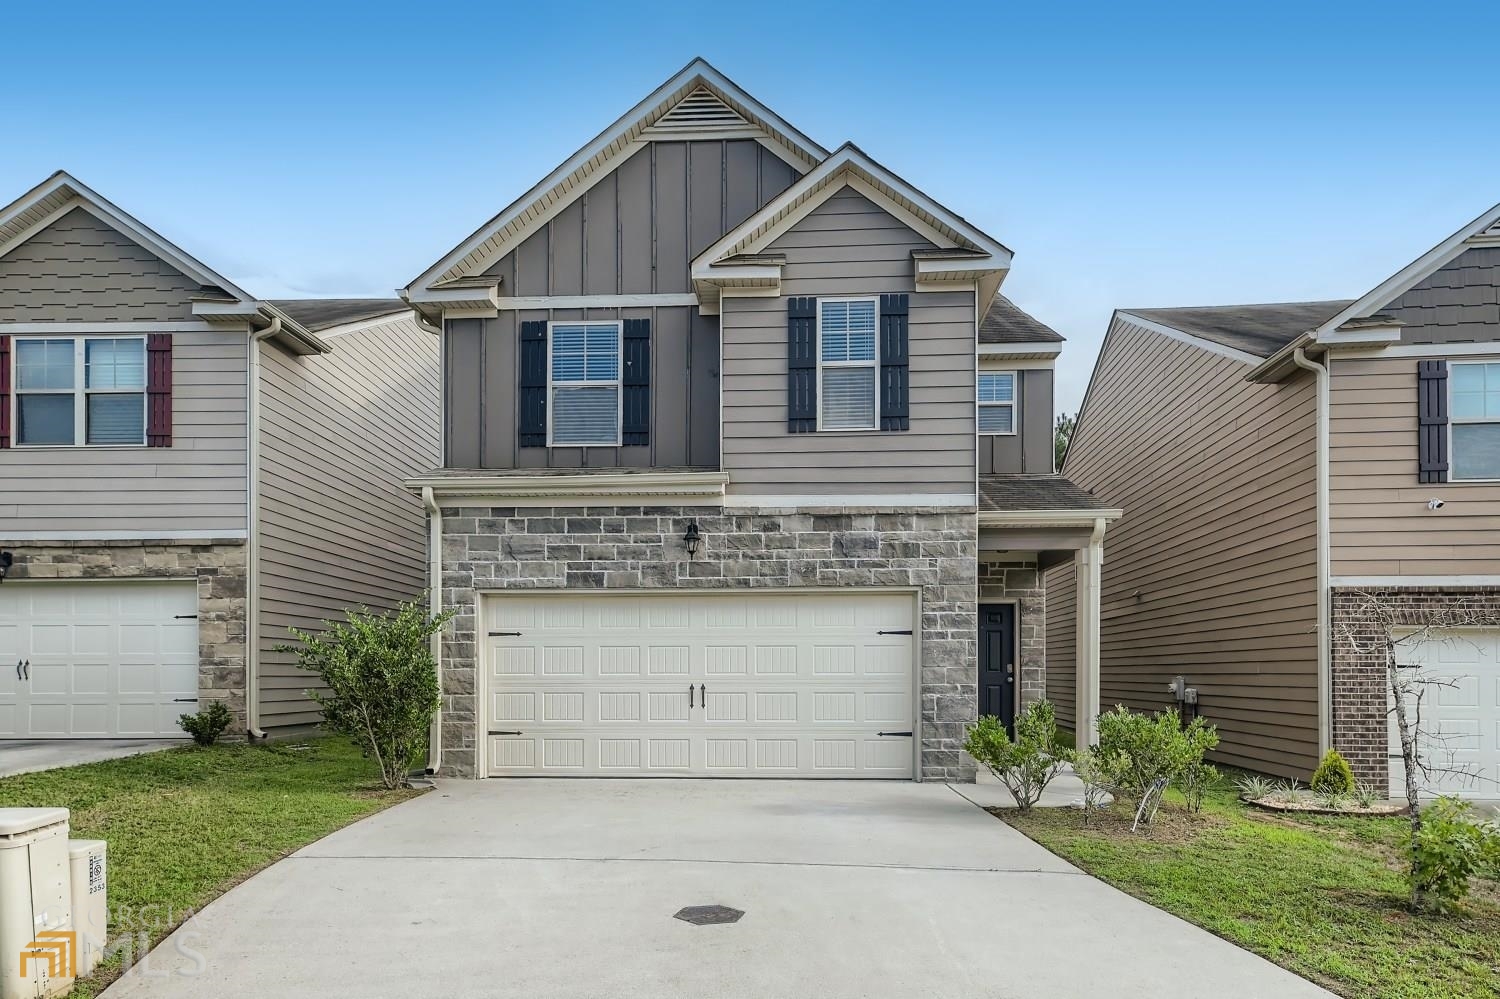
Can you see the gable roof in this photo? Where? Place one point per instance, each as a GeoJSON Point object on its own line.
{"type": "Point", "coordinates": [1005, 322]}
{"type": "Point", "coordinates": [1260, 330]}
{"type": "Point", "coordinates": [318, 314]}
{"type": "Point", "coordinates": [697, 97]}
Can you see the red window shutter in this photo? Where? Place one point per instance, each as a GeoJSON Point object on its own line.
{"type": "Point", "coordinates": [159, 390]}
{"type": "Point", "coordinates": [4, 391]}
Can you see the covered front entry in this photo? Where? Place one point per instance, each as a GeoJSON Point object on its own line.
{"type": "Point", "coordinates": [997, 663]}
{"type": "Point", "coordinates": [720, 684]}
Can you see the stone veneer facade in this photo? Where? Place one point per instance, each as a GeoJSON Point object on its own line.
{"type": "Point", "coordinates": [217, 566]}
{"type": "Point", "coordinates": [1360, 687]}
{"type": "Point", "coordinates": [934, 551]}
{"type": "Point", "coordinates": [1015, 579]}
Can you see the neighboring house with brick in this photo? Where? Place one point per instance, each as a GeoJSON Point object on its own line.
{"type": "Point", "coordinates": [186, 471]}
{"type": "Point", "coordinates": [1276, 460]}
{"type": "Point", "coordinates": [747, 466]}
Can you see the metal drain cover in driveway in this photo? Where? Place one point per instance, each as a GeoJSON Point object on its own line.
{"type": "Point", "coordinates": [708, 915]}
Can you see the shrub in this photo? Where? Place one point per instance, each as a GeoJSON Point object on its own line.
{"type": "Point", "coordinates": [381, 679]}
{"type": "Point", "coordinates": [207, 725]}
{"type": "Point", "coordinates": [1137, 750]}
{"type": "Point", "coordinates": [1333, 775]}
{"type": "Point", "coordinates": [1255, 787]}
{"type": "Point", "coordinates": [1026, 765]}
{"type": "Point", "coordinates": [1195, 781]}
{"type": "Point", "coordinates": [1090, 771]}
{"type": "Point", "coordinates": [1450, 849]}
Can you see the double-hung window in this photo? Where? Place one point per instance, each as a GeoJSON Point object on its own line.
{"type": "Point", "coordinates": [847, 363]}
{"type": "Point", "coordinates": [585, 384]}
{"type": "Point", "coordinates": [1474, 420]}
{"type": "Point", "coordinates": [73, 391]}
{"type": "Point", "coordinates": [997, 402]}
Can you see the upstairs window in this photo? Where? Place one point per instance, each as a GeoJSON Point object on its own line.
{"type": "Point", "coordinates": [997, 402]}
{"type": "Point", "coordinates": [847, 363]}
{"type": "Point", "coordinates": [585, 384]}
{"type": "Point", "coordinates": [75, 391]}
{"type": "Point", "coordinates": [1474, 419]}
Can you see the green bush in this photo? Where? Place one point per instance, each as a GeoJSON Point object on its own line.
{"type": "Point", "coordinates": [1333, 775]}
{"type": "Point", "coordinates": [1195, 782]}
{"type": "Point", "coordinates": [1452, 847]}
{"type": "Point", "coordinates": [382, 686]}
{"type": "Point", "coordinates": [1136, 750]}
{"type": "Point", "coordinates": [207, 725]}
{"type": "Point", "coordinates": [1029, 763]}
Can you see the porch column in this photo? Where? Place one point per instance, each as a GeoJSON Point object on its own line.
{"type": "Point", "coordinates": [1089, 562]}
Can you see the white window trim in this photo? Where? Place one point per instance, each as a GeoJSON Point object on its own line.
{"type": "Point", "coordinates": [1454, 421]}
{"type": "Point", "coordinates": [80, 392]}
{"type": "Point", "coordinates": [619, 380]}
{"type": "Point", "coordinates": [1015, 395]}
{"type": "Point", "coordinates": [873, 365]}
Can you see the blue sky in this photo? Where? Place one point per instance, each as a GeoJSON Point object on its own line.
{"type": "Point", "coordinates": [1131, 155]}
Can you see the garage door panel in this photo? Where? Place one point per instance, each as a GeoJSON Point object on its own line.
{"type": "Point", "coordinates": [1460, 697]}
{"type": "Point", "coordinates": [699, 684]}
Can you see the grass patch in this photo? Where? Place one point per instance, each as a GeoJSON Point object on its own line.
{"type": "Point", "coordinates": [1322, 896]}
{"type": "Point", "coordinates": [186, 825]}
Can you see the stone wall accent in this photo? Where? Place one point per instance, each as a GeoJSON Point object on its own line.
{"type": "Point", "coordinates": [217, 565]}
{"type": "Point", "coordinates": [641, 548]}
{"type": "Point", "coordinates": [1016, 578]}
{"type": "Point", "coordinates": [1360, 687]}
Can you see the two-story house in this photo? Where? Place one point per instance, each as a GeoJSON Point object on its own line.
{"type": "Point", "coordinates": [1278, 464]}
{"type": "Point", "coordinates": [185, 472]}
{"type": "Point", "coordinates": [747, 466]}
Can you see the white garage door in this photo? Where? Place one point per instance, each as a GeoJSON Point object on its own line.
{"type": "Point", "coordinates": [1460, 714]}
{"type": "Point", "coordinates": [721, 685]}
{"type": "Point", "coordinates": [97, 659]}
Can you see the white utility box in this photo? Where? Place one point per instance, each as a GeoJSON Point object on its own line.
{"type": "Point", "coordinates": [35, 909]}
{"type": "Point", "coordinates": [90, 909]}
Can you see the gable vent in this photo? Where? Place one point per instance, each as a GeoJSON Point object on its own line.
{"type": "Point", "coordinates": [699, 111]}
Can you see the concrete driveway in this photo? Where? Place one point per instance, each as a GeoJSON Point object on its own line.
{"type": "Point", "coordinates": [24, 756]}
{"type": "Point", "coordinates": [543, 888]}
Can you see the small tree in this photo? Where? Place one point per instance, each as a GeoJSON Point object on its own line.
{"type": "Point", "coordinates": [382, 685]}
{"type": "Point", "coordinates": [1061, 435]}
{"type": "Point", "coordinates": [1333, 775]}
{"type": "Point", "coordinates": [1025, 765]}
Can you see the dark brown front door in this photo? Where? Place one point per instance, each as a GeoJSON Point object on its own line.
{"type": "Point", "coordinates": [997, 663]}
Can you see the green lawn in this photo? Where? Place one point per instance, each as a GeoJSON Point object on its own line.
{"type": "Point", "coordinates": [1321, 896]}
{"type": "Point", "coordinates": [187, 824]}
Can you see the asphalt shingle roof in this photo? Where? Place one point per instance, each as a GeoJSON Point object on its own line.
{"type": "Point", "coordinates": [1261, 330]}
{"type": "Point", "coordinates": [1004, 493]}
{"type": "Point", "coordinates": [325, 313]}
{"type": "Point", "coordinates": [1003, 322]}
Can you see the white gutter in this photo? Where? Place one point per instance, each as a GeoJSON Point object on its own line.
{"type": "Point", "coordinates": [1087, 620]}
{"type": "Point", "coordinates": [1325, 557]}
{"type": "Point", "coordinates": [435, 603]}
{"type": "Point", "coordinates": [252, 533]}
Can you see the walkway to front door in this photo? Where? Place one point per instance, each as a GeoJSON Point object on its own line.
{"type": "Point", "coordinates": [997, 663]}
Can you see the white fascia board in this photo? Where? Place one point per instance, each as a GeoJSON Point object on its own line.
{"type": "Point", "coordinates": [619, 488]}
{"type": "Point", "coordinates": [1172, 333]}
{"type": "Point", "coordinates": [626, 129]}
{"type": "Point", "coordinates": [1385, 582]}
{"type": "Point", "coordinates": [359, 326]}
{"type": "Point", "coordinates": [166, 536]}
{"type": "Point", "coordinates": [1362, 337]}
{"type": "Point", "coordinates": [1046, 518]}
{"type": "Point", "coordinates": [851, 501]}
{"type": "Point", "coordinates": [1030, 348]}
{"type": "Point", "coordinates": [644, 300]}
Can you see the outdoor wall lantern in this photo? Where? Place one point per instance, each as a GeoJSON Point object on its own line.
{"type": "Point", "coordinates": [692, 540]}
{"type": "Point", "coordinates": [7, 560]}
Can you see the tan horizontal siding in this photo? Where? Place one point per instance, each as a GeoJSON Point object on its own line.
{"type": "Point", "coordinates": [336, 529]}
{"type": "Point", "coordinates": [1062, 642]}
{"type": "Point", "coordinates": [1378, 510]}
{"type": "Point", "coordinates": [1212, 571]}
{"type": "Point", "coordinates": [831, 253]}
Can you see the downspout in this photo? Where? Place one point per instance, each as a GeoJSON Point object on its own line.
{"type": "Point", "coordinates": [252, 539]}
{"type": "Point", "coordinates": [1325, 558]}
{"type": "Point", "coordinates": [435, 603]}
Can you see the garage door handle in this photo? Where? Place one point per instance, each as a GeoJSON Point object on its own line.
{"type": "Point", "coordinates": [906, 631]}
{"type": "Point", "coordinates": [907, 734]}
{"type": "Point", "coordinates": [18, 669]}
{"type": "Point", "coordinates": [497, 731]}
{"type": "Point", "coordinates": [690, 697]}
{"type": "Point", "coordinates": [28, 669]}
{"type": "Point", "coordinates": [184, 700]}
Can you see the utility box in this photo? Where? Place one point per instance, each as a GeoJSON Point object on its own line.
{"type": "Point", "coordinates": [90, 910]}
{"type": "Point", "coordinates": [38, 949]}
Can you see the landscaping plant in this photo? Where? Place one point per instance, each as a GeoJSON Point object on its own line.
{"type": "Point", "coordinates": [1333, 775]}
{"type": "Point", "coordinates": [207, 725]}
{"type": "Point", "coordinates": [1091, 773]}
{"type": "Point", "coordinates": [1136, 750]}
{"type": "Point", "coordinates": [1195, 782]}
{"type": "Point", "coordinates": [1452, 847]}
{"type": "Point", "coordinates": [382, 686]}
{"type": "Point", "coordinates": [1025, 765]}
{"type": "Point", "coordinates": [1255, 787]}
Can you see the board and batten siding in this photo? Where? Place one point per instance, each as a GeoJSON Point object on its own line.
{"type": "Point", "coordinates": [848, 246]}
{"type": "Point", "coordinates": [79, 270]}
{"type": "Point", "coordinates": [1212, 571]}
{"type": "Point", "coordinates": [1030, 449]}
{"type": "Point", "coordinates": [336, 529]}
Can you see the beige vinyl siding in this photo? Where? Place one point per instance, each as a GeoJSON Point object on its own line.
{"type": "Point", "coordinates": [1030, 449]}
{"type": "Point", "coordinates": [336, 528]}
{"type": "Point", "coordinates": [1377, 509]}
{"type": "Point", "coordinates": [1062, 642]}
{"type": "Point", "coordinates": [849, 247]}
{"type": "Point", "coordinates": [1212, 571]}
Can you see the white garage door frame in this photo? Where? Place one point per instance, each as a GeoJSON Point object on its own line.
{"type": "Point", "coordinates": [115, 675]}
{"type": "Point", "coordinates": [1461, 713]}
{"type": "Point", "coordinates": [482, 666]}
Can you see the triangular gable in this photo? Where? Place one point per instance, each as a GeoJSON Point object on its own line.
{"type": "Point", "coordinates": [699, 102]}
{"type": "Point", "coordinates": [964, 252]}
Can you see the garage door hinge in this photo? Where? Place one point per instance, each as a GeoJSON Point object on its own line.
{"type": "Point", "coordinates": [185, 617]}
{"type": "Point", "coordinates": [184, 700]}
{"type": "Point", "coordinates": [497, 731]}
{"type": "Point", "coordinates": [905, 632]}
{"type": "Point", "coordinates": [505, 634]}
{"type": "Point", "coordinates": [908, 734]}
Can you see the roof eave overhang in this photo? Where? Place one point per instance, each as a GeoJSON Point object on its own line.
{"type": "Point", "coordinates": [1354, 337]}
{"type": "Point", "coordinates": [1020, 351]}
{"type": "Point", "coordinates": [697, 488]}
{"type": "Point", "coordinates": [257, 316]}
{"type": "Point", "coordinates": [1046, 518]}
{"type": "Point", "coordinates": [467, 301]}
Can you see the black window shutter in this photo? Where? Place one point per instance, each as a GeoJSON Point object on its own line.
{"type": "Point", "coordinates": [801, 365]}
{"type": "Point", "coordinates": [4, 391]}
{"type": "Point", "coordinates": [159, 390]}
{"type": "Point", "coordinates": [635, 381]}
{"type": "Point", "coordinates": [895, 407]}
{"type": "Point", "coordinates": [1432, 421]}
{"type": "Point", "coordinates": [532, 394]}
